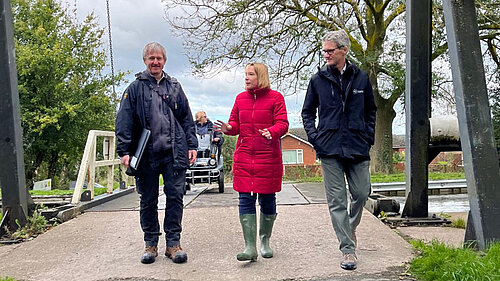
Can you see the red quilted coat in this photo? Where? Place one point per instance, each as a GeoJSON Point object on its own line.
{"type": "Point", "coordinates": [257, 163]}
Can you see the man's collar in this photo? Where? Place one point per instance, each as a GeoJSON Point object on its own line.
{"type": "Point", "coordinates": [343, 69]}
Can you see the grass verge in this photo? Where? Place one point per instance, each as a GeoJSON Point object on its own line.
{"type": "Point", "coordinates": [439, 262]}
{"type": "Point", "coordinates": [97, 191]}
{"type": "Point", "coordinates": [401, 177]}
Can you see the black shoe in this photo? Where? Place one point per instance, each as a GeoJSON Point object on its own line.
{"type": "Point", "coordinates": [176, 254]}
{"type": "Point", "coordinates": [150, 254]}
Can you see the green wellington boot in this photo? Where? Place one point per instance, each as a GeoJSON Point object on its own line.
{"type": "Point", "coordinates": [266, 228]}
{"type": "Point", "coordinates": [249, 226]}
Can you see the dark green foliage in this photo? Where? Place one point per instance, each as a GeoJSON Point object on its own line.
{"type": "Point", "coordinates": [63, 92]}
{"type": "Point", "coordinates": [227, 153]}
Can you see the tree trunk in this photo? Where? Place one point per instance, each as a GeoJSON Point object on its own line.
{"type": "Point", "coordinates": [381, 152]}
{"type": "Point", "coordinates": [31, 170]}
{"type": "Point", "coordinates": [53, 165]}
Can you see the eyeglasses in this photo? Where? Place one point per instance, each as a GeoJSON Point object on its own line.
{"type": "Point", "coordinates": [331, 51]}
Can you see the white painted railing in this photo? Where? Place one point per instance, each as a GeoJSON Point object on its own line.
{"type": "Point", "coordinates": [89, 163]}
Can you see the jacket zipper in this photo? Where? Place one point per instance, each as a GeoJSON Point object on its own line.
{"type": "Point", "coordinates": [253, 146]}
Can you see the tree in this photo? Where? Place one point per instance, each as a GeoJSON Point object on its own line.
{"type": "Point", "coordinates": [63, 92]}
{"type": "Point", "coordinates": [286, 35]}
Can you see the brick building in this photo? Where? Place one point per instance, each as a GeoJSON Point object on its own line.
{"type": "Point", "coordinates": [296, 149]}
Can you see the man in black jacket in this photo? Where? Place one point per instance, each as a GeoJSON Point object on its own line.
{"type": "Point", "coordinates": [342, 96]}
{"type": "Point", "coordinates": [156, 102]}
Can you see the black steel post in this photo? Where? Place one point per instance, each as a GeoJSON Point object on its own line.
{"type": "Point", "coordinates": [474, 119]}
{"type": "Point", "coordinates": [12, 178]}
{"type": "Point", "coordinates": [418, 93]}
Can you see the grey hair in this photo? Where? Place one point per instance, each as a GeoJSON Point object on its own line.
{"type": "Point", "coordinates": [153, 46]}
{"type": "Point", "coordinates": [338, 37]}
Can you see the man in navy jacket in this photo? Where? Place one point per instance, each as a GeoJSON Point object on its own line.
{"type": "Point", "coordinates": [156, 102]}
{"type": "Point", "coordinates": [341, 95]}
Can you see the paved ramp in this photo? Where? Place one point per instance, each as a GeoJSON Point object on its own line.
{"type": "Point", "coordinates": [105, 243]}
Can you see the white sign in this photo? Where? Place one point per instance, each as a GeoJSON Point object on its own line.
{"type": "Point", "coordinates": [43, 185]}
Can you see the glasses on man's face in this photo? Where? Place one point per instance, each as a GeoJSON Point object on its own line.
{"type": "Point", "coordinates": [330, 51]}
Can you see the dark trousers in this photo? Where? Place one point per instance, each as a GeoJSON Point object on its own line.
{"type": "Point", "coordinates": [247, 201]}
{"type": "Point", "coordinates": [148, 188]}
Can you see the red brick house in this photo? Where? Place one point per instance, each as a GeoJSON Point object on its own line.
{"type": "Point", "coordinates": [296, 149]}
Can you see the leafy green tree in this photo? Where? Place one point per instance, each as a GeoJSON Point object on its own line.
{"type": "Point", "coordinates": [286, 34]}
{"type": "Point", "coordinates": [63, 91]}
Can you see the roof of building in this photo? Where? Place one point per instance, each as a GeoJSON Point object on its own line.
{"type": "Point", "coordinates": [299, 134]}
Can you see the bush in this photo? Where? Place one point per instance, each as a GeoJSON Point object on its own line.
{"type": "Point", "coordinates": [301, 173]}
{"type": "Point", "coordinates": [35, 225]}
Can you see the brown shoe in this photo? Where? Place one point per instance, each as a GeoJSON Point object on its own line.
{"type": "Point", "coordinates": [176, 254]}
{"type": "Point", "coordinates": [348, 261]}
{"type": "Point", "coordinates": [150, 254]}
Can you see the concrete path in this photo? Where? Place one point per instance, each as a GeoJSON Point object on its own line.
{"type": "Point", "coordinates": [105, 243]}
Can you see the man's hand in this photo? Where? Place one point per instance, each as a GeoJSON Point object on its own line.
{"type": "Point", "coordinates": [265, 133]}
{"type": "Point", "coordinates": [192, 156]}
{"type": "Point", "coordinates": [215, 140]}
{"type": "Point", "coordinates": [221, 126]}
{"type": "Point", "coordinates": [125, 160]}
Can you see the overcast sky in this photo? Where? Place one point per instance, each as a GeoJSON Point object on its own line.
{"type": "Point", "coordinates": [135, 23]}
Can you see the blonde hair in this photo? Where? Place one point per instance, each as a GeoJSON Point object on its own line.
{"type": "Point", "coordinates": [262, 74]}
{"type": "Point", "coordinates": [199, 114]}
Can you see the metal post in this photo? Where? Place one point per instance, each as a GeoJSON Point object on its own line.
{"type": "Point", "coordinates": [418, 92]}
{"type": "Point", "coordinates": [12, 178]}
{"type": "Point", "coordinates": [476, 130]}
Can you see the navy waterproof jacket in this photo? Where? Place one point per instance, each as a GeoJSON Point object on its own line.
{"type": "Point", "coordinates": [131, 120]}
{"type": "Point", "coordinates": [345, 129]}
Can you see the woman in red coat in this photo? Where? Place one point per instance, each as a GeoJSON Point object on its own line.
{"type": "Point", "coordinates": [259, 118]}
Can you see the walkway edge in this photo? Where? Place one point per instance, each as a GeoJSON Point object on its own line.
{"type": "Point", "coordinates": [75, 210]}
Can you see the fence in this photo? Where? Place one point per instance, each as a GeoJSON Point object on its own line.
{"type": "Point", "coordinates": [89, 163]}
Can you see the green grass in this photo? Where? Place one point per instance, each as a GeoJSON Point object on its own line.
{"type": "Point", "coordinates": [401, 177]}
{"type": "Point", "coordinates": [97, 191]}
{"type": "Point", "coordinates": [439, 262]}
{"type": "Point", "coordinates": [36, 224]}
{"type": "Point", "coordinates": [459, 223]}
{"type": "Point", "coordinates": [7, 279]}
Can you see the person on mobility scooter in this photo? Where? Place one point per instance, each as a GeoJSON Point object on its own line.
{"type": "Point", "coordinates": [208, 167]}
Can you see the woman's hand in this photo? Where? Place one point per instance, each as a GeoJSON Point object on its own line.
{"type": "Point", "coordinates": [221, 126]}
{"type": "Point", "coordinates": [265, 133]}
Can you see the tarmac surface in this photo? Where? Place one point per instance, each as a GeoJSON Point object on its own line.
{"type": "Point", "coordinates": [105, 243]}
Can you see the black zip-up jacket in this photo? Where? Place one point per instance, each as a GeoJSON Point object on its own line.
{"type": "Point", "coordinates": [131, 120]}
{"type": "Point", "coordinates": [346, 129]}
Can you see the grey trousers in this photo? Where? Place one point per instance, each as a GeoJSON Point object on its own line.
{"type": "Point", "coordinates": [358, 178]}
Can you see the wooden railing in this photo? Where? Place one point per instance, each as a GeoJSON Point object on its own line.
{"type": "Point", "coordinates": [89, 163]}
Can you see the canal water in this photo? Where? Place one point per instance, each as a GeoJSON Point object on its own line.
{"type": "Point", "coordinates": [443, 203]}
